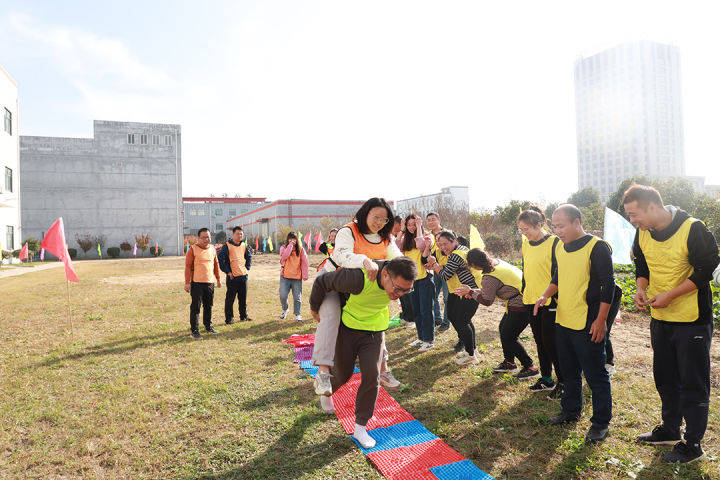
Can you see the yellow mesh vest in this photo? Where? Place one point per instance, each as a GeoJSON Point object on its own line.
{"type": "Point", "coordinates": [416, 256]}
{"type": "Point", "coordinates": [537, 266]}
{"type": "Point", "coordinates": [669, 267]}
{"type": "Point", "coordinates": [454, 281]}
{"type": "Point", "coordinates": [573, 280]}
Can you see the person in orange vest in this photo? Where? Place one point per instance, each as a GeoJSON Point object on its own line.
{"type": "Point", "coordinates": [201, 265]}
{"type": "Point", "coordinates": [235, 258]}
{"type": "Point", "coordinates": [294, 269]}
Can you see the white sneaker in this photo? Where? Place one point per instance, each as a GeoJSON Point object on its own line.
{"type": "Point", "coordinates": [415, 343]}
{"type": "Point", "coordinates": [361, 435]}
{"type": "Point", "coordinates": [467, 360]}
{"type": "Point", "coordinates": [388, 380]}
{"type": "Point", "coordinates": [283, 314]}
{"type": "Point", "coordinates": [462, 353]}
{"type": "Point", "coordinates": [425, 346]}
{"type": "Point", "coordinates": [323, 387]}
{"type": "Point", "coordinates": [327, 405]}
{"type": "Point", "coordinates": [410, 325]}
{"type": "Point", "coordinates": [610, 369]}
{"type": "Point", "coordinates": [298, 318]}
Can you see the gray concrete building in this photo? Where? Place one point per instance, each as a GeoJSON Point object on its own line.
{"type": "Point", "coordinates": [125, 181]}
{"type": "Point", "coordinates": [212, 212]}
{"type": "Point", "coordinates": [10, 232]}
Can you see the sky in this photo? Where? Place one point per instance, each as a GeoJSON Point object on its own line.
{"type": "Point", "coordinates": [347, 100]}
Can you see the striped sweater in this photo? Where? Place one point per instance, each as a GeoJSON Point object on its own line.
{"type": "Point", "coordinates": [457, 265]}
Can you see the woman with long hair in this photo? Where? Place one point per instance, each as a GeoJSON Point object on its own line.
{"type": "Point", "coordinates": [416, 246]}
{"type": "Point", "coordinates": [357, 244]}
{"type": "Point", "coordinates": [293, 270]}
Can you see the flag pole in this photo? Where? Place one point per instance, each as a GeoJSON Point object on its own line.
{"type": "Point", "coordinates": [72, 329]}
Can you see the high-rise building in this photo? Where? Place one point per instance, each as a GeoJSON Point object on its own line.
{"type": "Point", "coordinates": [629, 115]}
{"type": "Point", "coordinates": [123, 182]}
{"type": "Point", "coordinates": [9, 164]}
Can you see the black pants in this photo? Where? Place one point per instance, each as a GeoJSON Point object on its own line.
{"type": "Point", "coordinates": [681, 367]}
{"type": "Point", "coordinates": [201, 293]}
{"type": "Point", "coordinates": [612, 314]}
{"type": "Point", "coordinates": [236, 287]}
{"type": "Point", "coordinates": [407, 310]}
{"type": "Point", "coordinates": [460, 313]}
{"type": "Point", "coordinates": [511, 326]}
{"type": "Point", "coordinates": [543, 328]}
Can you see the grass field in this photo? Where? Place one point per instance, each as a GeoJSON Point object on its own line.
{"type": "Point", "coordinates": [133, 396]}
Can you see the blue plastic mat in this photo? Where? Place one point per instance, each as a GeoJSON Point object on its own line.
{"type": "Point", "coordinates": [463, 470]}
{"type": "Point", "coordinates": [403, 434]}
{"type": "Point", "coordinates": [312, 371]}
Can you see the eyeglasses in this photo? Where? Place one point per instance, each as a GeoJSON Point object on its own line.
{"type": "Point", "coordinates": [399, 291]}
{"type": "Point", "coordinates": [381, 220]}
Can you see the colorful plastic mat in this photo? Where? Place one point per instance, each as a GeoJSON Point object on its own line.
{"type": "Point", "coordinates": [405, 449]}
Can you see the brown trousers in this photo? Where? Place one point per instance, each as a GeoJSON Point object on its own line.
{"type": "Point", "coordinates": [366, 347]}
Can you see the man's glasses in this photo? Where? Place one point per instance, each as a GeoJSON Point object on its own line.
{"type": "Point", "coordinates": [399, 291]}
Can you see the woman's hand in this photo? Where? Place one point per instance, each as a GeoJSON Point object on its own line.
{"type": "Point", "coordinates": [371, 269]}
{"type": "Point", "coordinates": [462, 290]}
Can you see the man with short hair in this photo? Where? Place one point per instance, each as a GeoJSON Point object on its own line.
{"type": "Point", "coordinates": [585, 284]}
{"type": "Point", "coordinates": [201, 265]}
{"type": "Point", "coordinates": [441, 319]}
{"type": "Point", "coordinates": [675, 255]}
{"type": "Point", "coordinates": [235, 259]}
{"type": "Point", "coordinates": [364, 319]}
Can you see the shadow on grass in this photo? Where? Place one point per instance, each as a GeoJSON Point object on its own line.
{"type": "Point", "coordinates": [286, 458]}
{"type": "Point", "coordinates": [660, 470]}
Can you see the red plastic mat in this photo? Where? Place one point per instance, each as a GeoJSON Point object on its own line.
{"type": "Point", "coordinates": [414, 462]}
{"type": "Point", "coordinates": [387, 410]}
{"type": "Point", "coordinates": [301, 340]}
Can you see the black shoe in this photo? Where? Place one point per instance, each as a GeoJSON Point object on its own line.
{"type": "Point", "coordinates": [196, 335]}
{"type": "Point", "coordinates": [505, 367]}
{"type": "Point", "coordinates": [444, 327]}
{"type": "Point", "coordinates": [211, 329]}
{"type": "Point", "coordinates": [527, 373]}
{"type": "Point", "coordinates": [659, 436]}
{"type": "Point", "coordinates": [229, 322]}
{"type": "Point", "coordinates": [684, 453]}
{"type": "Point", "coordinates": [542, 385]}
{"type": "Point", "coordinates": [556, 394]}
{"type": "Point", "coordinates": [459, 347]}
{"type": "Point", "coordinates": [596, 434]}
{"type": "Point", "coordinates": [563, 418]}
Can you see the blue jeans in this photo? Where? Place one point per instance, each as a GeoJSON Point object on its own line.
{"type": "Point", "coordinates": [287, 284]}
{"type": "Point", "coordinates": [579, 355]}
{"type": "Point", "coordinates": [422, 301]}
{"type": "Point", "coordinates": [440, 286]}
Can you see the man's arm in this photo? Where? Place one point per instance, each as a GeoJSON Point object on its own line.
{"type": "Point", "coordinates": [248, 258]}
{"type": "Point", "coordinates": [223, 257]}
{"type": "Point", "coordinates": [345, 280]}
{"type": "Point", "coordinates": [189, 264]}
{"type": "Point", "coordinates": [601, 265]}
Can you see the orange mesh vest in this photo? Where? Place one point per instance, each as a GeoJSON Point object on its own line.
{"type": "Point", "coordinates": [374, 251]}
{"type": "Point", "coordinates": [237, 259]}
{"type": "Point", "coordinates": [203, 264]}
{"type": "Point", "coordinates": [292, 268]}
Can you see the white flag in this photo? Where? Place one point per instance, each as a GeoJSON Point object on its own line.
{"type": "Point", "coordinates": [620, 234]}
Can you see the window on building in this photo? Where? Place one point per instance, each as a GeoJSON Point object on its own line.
{"type": "Point", "coordinates": [168, 140]}
{"type": "Point", "coordinates": [10, 237]}
{"type": "Point", "coordinates": [8, 121]}
{"type": "Point", "coordinates": [8, 180]}
{"type": "Point", "coordinates": [218, 227]}
{"type": "Point", "coordinates": [232, 212]}
{"type": "Point", "coordinates": [131, 139]}
{"type": "Point", "coordinates": [143, 139]}
{"type": "Point", "coordinates": [192, 213]}
{"type": "Point", "coordinates": [156, 139]}
{"type": "Point", "coordinates": [218, 211]}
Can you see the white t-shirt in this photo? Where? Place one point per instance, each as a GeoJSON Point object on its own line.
{"type": "Point", "coordinates": [344, 255]}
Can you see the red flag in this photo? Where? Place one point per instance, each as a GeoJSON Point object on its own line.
{"type": "Point", "coordinates": [24, 252]}
{"type": "Point", "coordinates": [318, 241]}
{"type": "Point", "coordinates": [54, 242]}
{"type": "Point", "coordinates": [156, 248]}
{"type": "Point", "coordinates": [308, 239]}
{"type": "Point", "coordinates": [257, 247]}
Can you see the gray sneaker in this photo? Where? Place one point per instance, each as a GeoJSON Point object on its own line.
{"type": "Point", "coordinates": [323, 386]}
{"type": "Point", "coordinates": [388, 380]}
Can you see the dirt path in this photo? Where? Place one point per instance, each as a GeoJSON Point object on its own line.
{"type": "Point", "coordinates": [15, 271]}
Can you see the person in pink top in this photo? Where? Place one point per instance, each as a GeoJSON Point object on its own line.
{"type": "Point", "coordinates": [293, 270]}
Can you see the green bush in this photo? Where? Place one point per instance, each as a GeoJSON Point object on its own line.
{"type": "Point", "coordinates": [6, 254]}
{"type": "Point", "coordinates": [160, 251]}
{"type": "Point", "coordinates": [113, 252]}
{"type": "Point", "coordinates": [73, 253]}
{"type": "Point", "coordinates": [498, 244]}
{"type": "Point", "coordinates": [16, 253]}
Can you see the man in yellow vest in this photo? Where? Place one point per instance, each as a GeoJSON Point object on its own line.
{"type": "Point", "coordinates": [675, 256]}
{"type": "Point", "coordinates": [361, 335]}
{"type": "Point", "coordinates": [235, 259]}
{"type": "Point", "coordinates": [585, 286]}
{"type": "Point", "coordinates": [201, 265]}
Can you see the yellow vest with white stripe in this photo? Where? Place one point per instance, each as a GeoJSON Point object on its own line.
{"type": "Point", "coordinates": [367, 310]}
{"type": "Point", "coordinates": [573, 281]}
{"type": "Point", "coordinates": [537, 266]}
{"type": "Point", "coordinates": [454, 282]}
{"type": "Point", "coordinates": [669, 267]}
{"type": "Point", "coordinates": [416, 255]}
